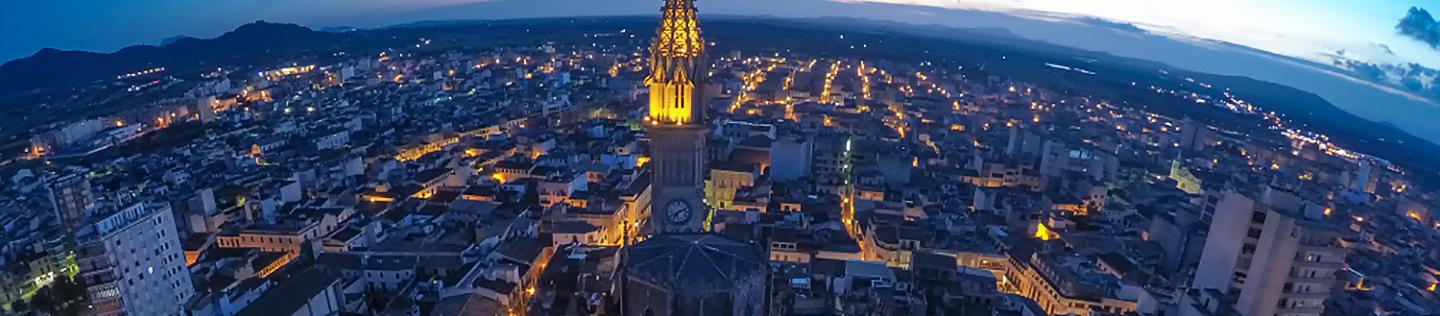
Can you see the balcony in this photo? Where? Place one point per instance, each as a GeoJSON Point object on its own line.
{"type": "Point", "coordinates": [1300, 310]}
{"type": "Point", "coordinates": [1321, 264]}
{"type": "Point", "coordinates": [1306, 296]}
{"type": "Point", "coordinates": [1296, 277]}
{"type": "Point", "coordinates": [98, 279]}
{"type": "Point", "coordinates": [1330, 248]}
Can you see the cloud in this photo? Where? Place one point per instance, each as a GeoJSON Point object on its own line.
{"type": "Point", "coordinates": [1365, 70]}
{"type": "Point", "coordinates": [1383, 48]}
{"type": "Point", "coordinates": [1120, 26]}
{"type": "Point", "coordinates": [1409, 77]}
{"type": "Point", "coordinates": [1419, 25]}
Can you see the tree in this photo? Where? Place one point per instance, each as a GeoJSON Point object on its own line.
{"type": "Point", "coordinates": [43, 300]}
{"type": "Point", "coordinates": [64, 297]}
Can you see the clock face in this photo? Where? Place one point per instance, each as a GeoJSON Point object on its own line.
{"type": "Point", "coordinates": [678, 211]}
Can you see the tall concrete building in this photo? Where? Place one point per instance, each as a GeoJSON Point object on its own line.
{"type": "Point", "coordinates": [206, 108]}
{"type": "Point", "coordinates": [132, 264]}
{"type": "Point", "coordinates": [791, 156]}
{"type": "Point", "coordinates": [1271, 261]}
{"type": "Point", "coordinates": [1365, 179]}
{"type": "Point", "coordinates": [1192, 135]}
{"type": "Point", "coordinates": [71, 197]}
{"type": "Point", "coordinates": [1058, 158]}
{"type": "Point", "coordinates": [676, 121]}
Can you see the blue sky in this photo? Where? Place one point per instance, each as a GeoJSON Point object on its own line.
{"type": "Point", "coordinates": [1346, 51]}
{"type": "Point", "coordinates": [1302, 28]}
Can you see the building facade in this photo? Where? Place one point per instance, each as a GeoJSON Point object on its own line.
{"type": "Point", "coordinates": [132, 263]}
{"type": "Point", "coordinates": [1273, 262]}
{"type": "Point", "coordinates": [71, 196]}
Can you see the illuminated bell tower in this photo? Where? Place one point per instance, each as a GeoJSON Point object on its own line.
{"type": "Point", "coordinates": [676, 121]}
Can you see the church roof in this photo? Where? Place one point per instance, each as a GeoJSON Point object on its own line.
{"type": "Point", "coordinates": [693, 260]}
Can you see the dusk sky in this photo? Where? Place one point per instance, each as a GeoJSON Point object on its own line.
{"type": "Point", "coordinates": [1374, 58]}
{"type": "Point", "coordinates": [1310, 29]}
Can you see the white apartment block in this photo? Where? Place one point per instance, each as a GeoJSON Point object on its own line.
{"type": "Point", "coordinates": [132, 263]}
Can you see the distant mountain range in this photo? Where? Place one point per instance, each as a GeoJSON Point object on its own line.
{"type": "Point", "coordinates": [173, 39]}
{"type": "Point", "coordinates": [52, 68]}
{"type": "Point", "coordinates": [338, 29]}
{"type": "Point", "coordinates": [267, 44]}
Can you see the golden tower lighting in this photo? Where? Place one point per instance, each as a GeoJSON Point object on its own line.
{"type": "Point", "coordinates": [676, 56]}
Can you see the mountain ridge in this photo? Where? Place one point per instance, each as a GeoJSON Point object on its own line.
{"type": "Point", "coordinates": [53, 68]}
